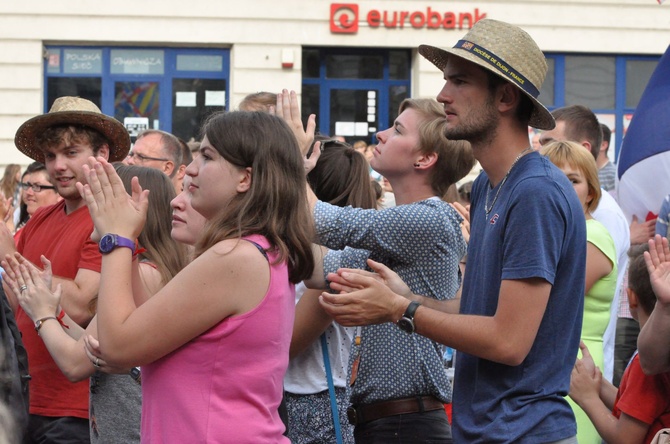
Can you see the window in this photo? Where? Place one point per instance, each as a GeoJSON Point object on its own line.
{"type": "Point", "coordinates": [590, 81]}
{"type": "Point", "coordinates": [172, 89]}
{"type": "Point", "coordinates": [638, 73]}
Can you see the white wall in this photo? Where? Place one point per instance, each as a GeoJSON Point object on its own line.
{"type": "Point", "coordinates": [258, 30]}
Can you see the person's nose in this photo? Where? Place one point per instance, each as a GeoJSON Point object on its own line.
{"type": "Point", "coordinates": [444, 95]}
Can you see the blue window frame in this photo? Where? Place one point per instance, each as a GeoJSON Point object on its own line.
{"type": "Point", "coordinates": [354, 87]}
{"type": "Point", "coordinates": [174, 88]}
{"type": "Point", "coordinates": [624, 76]}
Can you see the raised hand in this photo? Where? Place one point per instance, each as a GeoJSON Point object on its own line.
{"type": "Point", "coordinates": [658, 265]}
{"type": "Point", "coordinates": [313, 158]}
{"type": "Point", "coordinates": [289, 109]}
{"type": "Point", "coordinates": [111, 208]}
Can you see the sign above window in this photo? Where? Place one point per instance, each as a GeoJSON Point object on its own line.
{"type": "Point", "coordinates": [344, 18]}
{"type": "Point", "coordinates": [137, 61]}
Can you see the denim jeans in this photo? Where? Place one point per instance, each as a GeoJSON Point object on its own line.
{"type": "Point", "coordinates": [413, 428]}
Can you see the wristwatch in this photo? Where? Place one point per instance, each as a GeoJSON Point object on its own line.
{"type": "Point", "coordinates": [111, 241]}
{"type": "Point", "coordinates": [406, 323]}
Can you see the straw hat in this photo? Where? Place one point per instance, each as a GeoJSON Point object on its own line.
{"type": "Point", "coordinates": [73, 111]}
{"type": "Point", "coordinates": [507, 51]}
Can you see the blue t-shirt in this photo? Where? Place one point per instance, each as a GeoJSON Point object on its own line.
{"type": "Point", "coordinates": [535, 229]}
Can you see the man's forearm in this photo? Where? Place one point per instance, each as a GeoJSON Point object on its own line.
{"type": "Point", "coordinates": [451, 306]}
{"type": "Point", "coordinates": [476, 335]}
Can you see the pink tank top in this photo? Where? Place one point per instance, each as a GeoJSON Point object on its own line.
{"type": "Point", "coordinates": [225, 385]}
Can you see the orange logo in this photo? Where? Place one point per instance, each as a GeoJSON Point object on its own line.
{"type": "Point", "coordinates": [344, 18]}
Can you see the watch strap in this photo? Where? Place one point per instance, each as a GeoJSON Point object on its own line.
{"type": "Point", "coordinates": [411, 310]}
{"type": "Point", "coordinates": [125, 242]}
{"type": "Point", "coordinates": [116, 242]}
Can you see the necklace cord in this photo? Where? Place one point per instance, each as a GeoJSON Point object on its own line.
{"type": "Point", "coordinates": [488, 209]}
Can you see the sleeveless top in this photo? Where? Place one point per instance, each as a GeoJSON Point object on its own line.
{"type": "Point", "coordinates": [226, 384]}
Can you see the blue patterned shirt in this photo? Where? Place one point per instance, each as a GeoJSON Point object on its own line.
{"type": "Point", "coordinates": [423, 243]}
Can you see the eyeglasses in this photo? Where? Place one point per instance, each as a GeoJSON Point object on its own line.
{"type": "Point", "coordinates": [36, 187]}
{"type": "Point", "coordinates": [143, 158]}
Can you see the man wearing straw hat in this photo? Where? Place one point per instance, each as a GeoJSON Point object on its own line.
{"type": "Point", "coordinates": [518, 325]}
{"type": "Point", "coordinates": [63, 139]}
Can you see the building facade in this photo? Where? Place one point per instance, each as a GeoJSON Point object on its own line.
{"type": "Point", "coordinates": [167, 64]}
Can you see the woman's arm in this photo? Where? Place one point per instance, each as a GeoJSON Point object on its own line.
{"type": "Point", "coordinates": [230, 278]}
{"type": "Point", "coordinates": [317, 280]}
{"type": "Point", "coordinates": [310, 321]}
{"type": "Point", "coordinates": [66, 348]}
{"type": "Point", "coordinates": [597, 266]}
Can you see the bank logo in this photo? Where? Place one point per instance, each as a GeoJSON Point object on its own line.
{"type": "Point", "coordinates": [343, 18]}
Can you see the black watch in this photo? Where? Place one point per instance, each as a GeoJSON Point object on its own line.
{"type": "Point", "coordinates": [406, 323]}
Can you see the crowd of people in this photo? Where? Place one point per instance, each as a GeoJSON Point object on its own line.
{"type": "Point", "coordinates": [268, 284]}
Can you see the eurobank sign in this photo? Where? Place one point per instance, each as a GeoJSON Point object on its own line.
{"type": "Point", "coordinates": [345, 17]}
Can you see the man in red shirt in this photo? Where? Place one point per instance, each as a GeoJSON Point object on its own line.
{"type": "Point", "coordinates": [63, 139]}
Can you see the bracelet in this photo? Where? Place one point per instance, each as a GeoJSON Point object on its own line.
{"type": "Point", "coordinates": [39, 322]}
{"type": "Point", "coordinates": [138, 251]}
{"type": "Point", "coordinates": [60, 317]}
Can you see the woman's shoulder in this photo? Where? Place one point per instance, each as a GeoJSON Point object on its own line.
{"type": "Point", "coordinates": [597, 234]}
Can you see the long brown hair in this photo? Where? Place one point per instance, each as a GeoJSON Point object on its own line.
{"type": "Point", "coordinates": [275, 205]}
{"type": "Point", "coordinates": [9, 182]}
{"type": "Point", "coordinates": [168, 255]}
{"type": "Point", "coordinates": [341, 176]}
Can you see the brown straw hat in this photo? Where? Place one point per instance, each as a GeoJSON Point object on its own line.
{"type": "Point", "coordinates": [73, 111]}
{"type": "Point", "coordinates": [507, 51]}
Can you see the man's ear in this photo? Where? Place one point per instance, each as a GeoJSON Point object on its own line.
{"type": "Point", "coordinates": [181, 172]}
{"type": "Point", "coordinates": [507, 97]}
{"type": "Point", "coordinates": [168, 168]}
{"type": "Point", "coordinates": [103, 151]}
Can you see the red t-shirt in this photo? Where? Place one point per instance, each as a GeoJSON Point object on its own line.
{"type": "Point", "coordinates": [645, 398]}
{"type": "Point", "coordinates": [65, 240]}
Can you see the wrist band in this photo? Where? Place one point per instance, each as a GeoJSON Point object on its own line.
{"type": "Point", "coordinates": [60, 317]}
{"type": "Point", "coordinates": [138, 250]}
{"type": "Point", "coordinates": [39, 322]}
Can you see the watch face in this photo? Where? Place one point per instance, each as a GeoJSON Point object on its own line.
{"type": "Point", "coordinates": [107, 243]}
{"type": "Point", "coordinates": [406, 324]}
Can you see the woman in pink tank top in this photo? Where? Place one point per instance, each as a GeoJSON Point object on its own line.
{"type": "Point", "coordinates": [213, 343]}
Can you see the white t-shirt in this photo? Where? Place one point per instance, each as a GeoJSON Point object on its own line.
{"type": "Point", "coordinates": [306, 373]}
{"type": "Point", "coordinates": [610, 215]}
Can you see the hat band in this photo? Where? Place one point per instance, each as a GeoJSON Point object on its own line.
{"type": "Point", "coordinates": [499, 65]}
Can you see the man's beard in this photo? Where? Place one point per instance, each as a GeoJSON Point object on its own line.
{"type": "Point", "coordinates": [481, 125]}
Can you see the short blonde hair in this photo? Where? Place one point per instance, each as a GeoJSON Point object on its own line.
{"type": "Point", "coordinates": [455, 158]}
{"type": "Point", "coordinates": [576, 156]}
